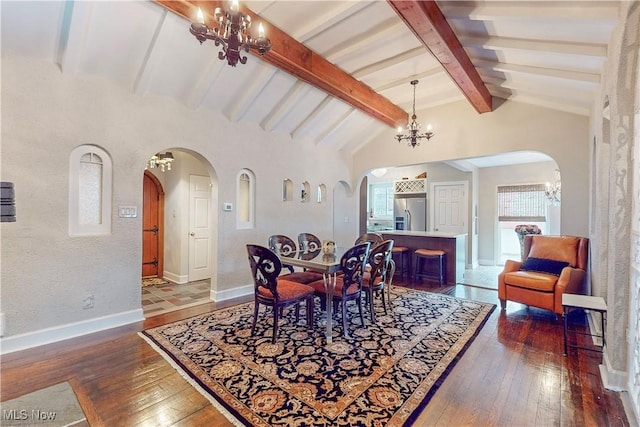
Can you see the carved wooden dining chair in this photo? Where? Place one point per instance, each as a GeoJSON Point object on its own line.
{"type": "Point", "coordinates": [276, 292]}
{"type": "Point", "coordinates": [312, 244]}
{"type": "Point", "coordinates": [348, 286]}
{"type": "Point", "coordinates": [374, 278]}
{"type": "Point", "coordinates": [286, 248]}
{"type": "Point", "coordinates": [374, 238]}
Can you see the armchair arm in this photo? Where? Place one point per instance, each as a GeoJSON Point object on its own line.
{"type": "Point", "coordinates": [509, 267]}
{"type": "Point", "coordinates": [571, 281]}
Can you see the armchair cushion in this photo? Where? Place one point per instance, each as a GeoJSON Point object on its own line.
{"type": "Point", "coordinates": [559, 248]}
{"type": "Point", "coordinates": [542, 265]}
{"type": "Point", "coordinates": [540, 282]}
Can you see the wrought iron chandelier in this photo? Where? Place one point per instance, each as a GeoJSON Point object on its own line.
{"type": "Point", "coordinates": [413, 136]}
{"type": "Point", "coordinates": [160, 160]}
{"type": "Point", "coordinates": [231, 32]}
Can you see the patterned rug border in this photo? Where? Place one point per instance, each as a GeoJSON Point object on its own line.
{"type": "Point", "coordinates": [444, 366]}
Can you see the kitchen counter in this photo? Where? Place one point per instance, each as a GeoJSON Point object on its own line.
{"type": "Point", "coordinates": [423, 234]}
{"type": "Point", "coordinates": [454, 246]}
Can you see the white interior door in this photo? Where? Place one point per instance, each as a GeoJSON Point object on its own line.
{"type": "Point", "coordinates": [199, 227]}
{"type": "Point", "coordinates": [450, 207]}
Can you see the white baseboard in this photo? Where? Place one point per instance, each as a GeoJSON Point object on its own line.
{"type": "Point", "coordinates": [231, 293]}
{"type": "Point", "coordinates": [70, 330]}
{"type": "Point", "coordinates": [632, 412]}
{"type": "Point", "coordinates": [617, 381]}
{"type": "Point", "coordinates": [611, 378]}
{"type": "Point", "coordinates": [486, 262]}
{"type": "Point", "coordinates": [175, 278]}
{"type": "Point", "coordinates": [595, 327]}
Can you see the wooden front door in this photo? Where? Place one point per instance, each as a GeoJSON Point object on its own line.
{"type": "Point", "coordinates": [152, 226]}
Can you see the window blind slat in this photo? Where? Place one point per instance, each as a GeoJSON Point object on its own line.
{"type": "Point", "coordinates": [522, 203]}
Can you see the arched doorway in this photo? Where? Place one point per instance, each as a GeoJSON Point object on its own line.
{"type": "Point", "coordinates": [152, 227]}
{"type": "Point", "coordinates": [187, 197]}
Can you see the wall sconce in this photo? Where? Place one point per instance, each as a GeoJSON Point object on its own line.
{"type": "Point", "coordinates": [553, 191]}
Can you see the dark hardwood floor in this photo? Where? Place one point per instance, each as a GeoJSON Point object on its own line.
{"type": "Point", "coordinates": [513, 374]}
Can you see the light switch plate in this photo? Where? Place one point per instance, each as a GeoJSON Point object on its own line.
{"type": "Point", "coordinates": [127, 211]}
{"type": "Point", "coordinates": [227, 207]}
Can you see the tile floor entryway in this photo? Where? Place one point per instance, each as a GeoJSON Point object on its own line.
{"type": "Point", "coordinates": [158, 299]}
{"type": "Point", "coordinates": [483, 276]}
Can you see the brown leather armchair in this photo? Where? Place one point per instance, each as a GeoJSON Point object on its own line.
{"type": "Point", "coordinates": [552, 266]}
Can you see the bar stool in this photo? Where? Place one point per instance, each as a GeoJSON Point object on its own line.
{"type": "Point", "coordinates": [430, 256]}
{"type": "Point", "coordinates": [402, 252]}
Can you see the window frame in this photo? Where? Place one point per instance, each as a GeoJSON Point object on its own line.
{"type": "Point", "coordinates": [250, 201]}
{"type": "Point", "coordinates": [106, 192]}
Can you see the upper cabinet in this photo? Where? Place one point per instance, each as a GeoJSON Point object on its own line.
{"type": "Point", "coordinates": [410, 186]}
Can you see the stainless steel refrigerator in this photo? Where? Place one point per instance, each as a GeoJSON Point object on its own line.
{"type": "Point", "coordinates": [410, 212]}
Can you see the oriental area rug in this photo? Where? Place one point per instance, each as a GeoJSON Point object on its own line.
{"type": "Point", "coordinates": [384, 374]}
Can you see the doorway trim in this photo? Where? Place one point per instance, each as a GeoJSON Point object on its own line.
{"type": "Point", "coordinates": [160, 191]}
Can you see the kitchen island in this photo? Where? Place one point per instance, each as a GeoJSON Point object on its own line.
{"type": "Point", "coordinates": [454, 246]}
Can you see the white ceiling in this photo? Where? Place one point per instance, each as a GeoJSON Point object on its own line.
{"type": "Point", "coordinates": [549, 54]}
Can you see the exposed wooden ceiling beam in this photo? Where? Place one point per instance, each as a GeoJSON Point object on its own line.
{"type": "Point", "coordinates": [427, 22]}
{"type": "Point", "coordinates": [296, 59]}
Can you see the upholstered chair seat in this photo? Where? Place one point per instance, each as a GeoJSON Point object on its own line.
{"type": "Point", "coordinates": [348, 285]}
{"type": "Point", "coordinates": [271, 290]}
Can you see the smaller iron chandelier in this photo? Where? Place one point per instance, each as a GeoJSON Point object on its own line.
{"type": "Point", "coordinates": [414, 127]}
{"type": "Point", "coordinates": [231, 33]}
{"type": "Point", "coordinates": [160, 160]}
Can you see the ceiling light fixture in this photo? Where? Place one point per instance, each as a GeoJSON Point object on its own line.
{"type": "Point", "coordinates": [413, 127]}
{"type": "Point", "coordinates": [160, 160]}
{"type": "Point", "coordinates": [379, 173]}
{"type": "Point", "coordinates": [231, 33]}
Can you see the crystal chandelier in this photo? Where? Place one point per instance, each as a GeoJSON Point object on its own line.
{"type": "Point", "coordinates": [230, 31]}
{"type": "Point", "coordinates": [160, 160]}
{"type": "Point", "coordinates": [553, 191]}
{"type": "Point", "coordinates": [413, 136]}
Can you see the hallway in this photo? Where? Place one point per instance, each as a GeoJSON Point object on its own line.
{"type": "Point", "coordinates": [163, 298]}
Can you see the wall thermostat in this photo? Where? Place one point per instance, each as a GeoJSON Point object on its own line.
{"type": "Point", "coordinates": [227, 207]}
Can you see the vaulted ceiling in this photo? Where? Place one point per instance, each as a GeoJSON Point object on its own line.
{"type": "Point", "coordinates": [339, 71]}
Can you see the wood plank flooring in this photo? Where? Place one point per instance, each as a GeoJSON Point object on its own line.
{"type": "Point", "coordinates": [513, 374]}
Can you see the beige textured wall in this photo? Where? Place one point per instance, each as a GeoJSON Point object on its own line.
{"type": "Point", "coordinates": [45, 114]}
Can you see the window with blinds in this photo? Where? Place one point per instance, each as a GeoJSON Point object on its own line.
{"type": "Point", "coordinates": [522, 203]}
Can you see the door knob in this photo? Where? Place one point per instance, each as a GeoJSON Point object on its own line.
{"type": "Point", "coordinates": [192, 234]}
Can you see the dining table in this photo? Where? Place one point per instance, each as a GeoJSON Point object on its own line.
{"type": "Point", "coordinates": [329, 266]}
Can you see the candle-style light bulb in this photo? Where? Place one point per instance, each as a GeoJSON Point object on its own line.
{"type": "Point", "coordinates": [234, 5]}
{"type": "Point", "coordinates": [399, 130]}
{"type": "Point", "coordinates": [429, 128]}
{"type": "Point", "coordinates": [200, 16]}
{"type": "Point", "coordinates": [261, 31]}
